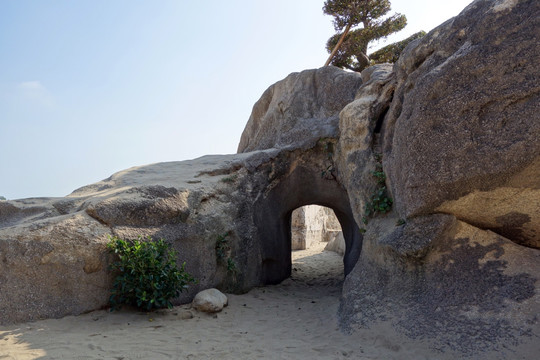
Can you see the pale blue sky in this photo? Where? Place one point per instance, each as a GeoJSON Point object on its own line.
{"type": "Point", "coordinates": [88, 88]}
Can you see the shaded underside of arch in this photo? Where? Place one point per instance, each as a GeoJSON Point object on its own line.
{"type": "Point", "coordinates": [304, 185]}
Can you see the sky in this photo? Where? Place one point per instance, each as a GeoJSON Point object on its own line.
{"type": "Point", "coordinates": [92, 87]}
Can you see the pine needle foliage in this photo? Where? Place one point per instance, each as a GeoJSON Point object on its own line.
{"type": "Point", "coordinates": [391, 53]}
{"type": "Point", "coordinates": [348, 47]}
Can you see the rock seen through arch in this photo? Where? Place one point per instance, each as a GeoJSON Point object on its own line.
{"type": "Point", "coordinates": [312, 224]}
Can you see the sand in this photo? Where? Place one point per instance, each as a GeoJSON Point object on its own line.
{"type": "Point", "coordinates": [296, 319]}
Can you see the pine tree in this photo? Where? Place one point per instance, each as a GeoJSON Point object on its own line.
{"type": "Point", "coordinates": [390, 53]}
{"type": "Point", "coordinates": [348, 48]}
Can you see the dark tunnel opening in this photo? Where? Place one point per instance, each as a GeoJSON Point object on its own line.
{"type": "Point", "coordinates": [302, 187]}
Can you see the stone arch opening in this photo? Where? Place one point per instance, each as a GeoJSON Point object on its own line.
{"type": "Point", "coordinates": [316, 226]}
{"type": "Point", "coordinates": [317, 248]}
{"type": "Point", "coordinates": [303, 185]}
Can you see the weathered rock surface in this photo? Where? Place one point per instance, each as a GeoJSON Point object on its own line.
{"type": "Point", "coordinates": [299, 110]}
{"type": "Point", "coordinates": [50, 262]}
{"type": "Point", "coordinates": [462, 135]}
{"type": "Point", "coordinates": [210, 301]}
{"type": "Point", "coordinates": [54, 260]}
{"type": "Point", "coordinates": [465, 290]}
{"type": "Point", "coordinates": [460, 146]}
{"type": "Point", "coordinates": [359, 126]}
{"type": "Point", "coordinates": [53, 256]}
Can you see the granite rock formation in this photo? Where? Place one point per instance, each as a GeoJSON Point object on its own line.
{"type": "Point", "coordinates": [456, 123]}
{"type": "Point", "coordinates": [54, 260]}
{"type": "Point", "coordinates": [466, 109]}
{"type": "Point", "coordinates": [299, 110]}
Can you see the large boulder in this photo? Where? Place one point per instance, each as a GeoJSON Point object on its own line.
{"type": "Point", "coordinates": [456, 263]}
{"type": "Point", "coordinates": [299, 110]}
{"type": "Point", "coordinates": [51, 263]}
{"type": "Point", "coordinates": [462, 135]}
{"type": "Point", "coordinates": [53, 253]}
{"type": "Point", "coordinates": [336, 243]}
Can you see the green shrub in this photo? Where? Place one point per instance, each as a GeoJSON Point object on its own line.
{"type": "Point", "coordinates": [223, 256]}
{"type": "Point", "coordinates": [231, 266]}
{"type": "Point", "coordinates": [379, 202]}
{"type": "Point", "coordinates": [222, 246]}
{"type": "Point", "coordinates": [148, 276]}
{"type": "Point", "coordinates": [230, 179]}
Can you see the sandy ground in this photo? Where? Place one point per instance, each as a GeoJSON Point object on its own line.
{"type": "Point", "coordinates": [293, 320]}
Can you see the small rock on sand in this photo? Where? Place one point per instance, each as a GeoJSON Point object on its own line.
{"type": "Point", "coordinates": [210, 300]}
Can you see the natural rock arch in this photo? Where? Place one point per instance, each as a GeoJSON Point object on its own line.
{"type": "Point", "coordinates": [301, 113]}
{"type": "Point", "coordinates": [304, 185]}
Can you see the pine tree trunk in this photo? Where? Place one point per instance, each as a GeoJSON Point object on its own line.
{"type": "Point", "coordinates": [363, 61]}
{"type": "Point", "coordinates": [340, 41]}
